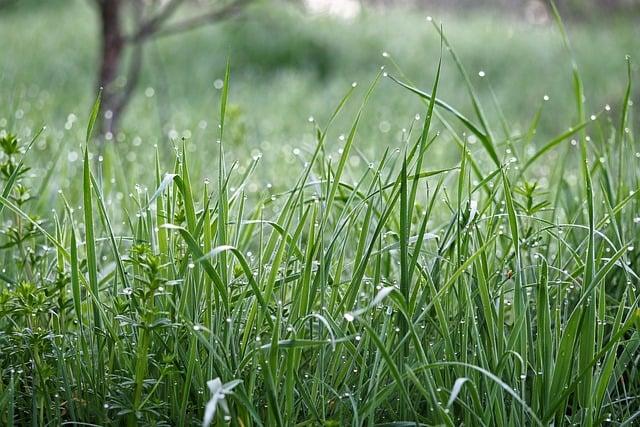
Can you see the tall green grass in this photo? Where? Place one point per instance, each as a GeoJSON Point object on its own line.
{"type": "Point", "coordinates": [499, 289]}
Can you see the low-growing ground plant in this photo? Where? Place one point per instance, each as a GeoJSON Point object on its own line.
{"type": "Point", "coordinates": [498, 290]}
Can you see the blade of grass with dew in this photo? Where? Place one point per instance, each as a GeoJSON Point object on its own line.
{"type": "Point", "coordinates": [223, 215]}
{"type": "Point", "coordinates": [588, 331]}
{"type": "Point", "coordinates": [520, 300]}
{"type": "Point", "coordinates": [544, 341]}
{"type": "Point", "coordinates": [87, 207]}
{"type": "Point", "coordinates": [484, 139]}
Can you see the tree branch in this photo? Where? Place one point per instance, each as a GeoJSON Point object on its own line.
{"type": "Point", "coordinates": [153, 24]}
{"type": "Point", "coordinates": [230, 10]}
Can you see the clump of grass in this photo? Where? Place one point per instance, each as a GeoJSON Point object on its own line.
{"type": "Point", "coordinates": [495, 290]}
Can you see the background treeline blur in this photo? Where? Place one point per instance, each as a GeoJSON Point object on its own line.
{"type": "Point", "coordinates": [533, 9]}
{"type": "Point", "coordinates": [524, 8]}
{"type": "Point", "coordinates": [292, 59]}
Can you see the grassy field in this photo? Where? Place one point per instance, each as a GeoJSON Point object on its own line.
{"type": "Point", "coordinates": [421, 252]}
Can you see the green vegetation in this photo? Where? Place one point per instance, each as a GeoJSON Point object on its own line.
{"type": "Point", "coordinates": [480, 270]}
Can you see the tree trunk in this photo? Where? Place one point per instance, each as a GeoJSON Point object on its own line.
{"type": "Point", "coordinates": [112, 52]}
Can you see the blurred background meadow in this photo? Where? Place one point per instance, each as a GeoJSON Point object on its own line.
{"type": "Point", "coordinates": [404, 261]}
{"type": "Point", "coordinates": [291, 62]}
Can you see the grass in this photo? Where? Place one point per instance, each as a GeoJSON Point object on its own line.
{"type": "Point", "coordinates": [498, 288]}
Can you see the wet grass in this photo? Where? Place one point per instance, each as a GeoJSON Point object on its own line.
{"type": "Point", "coordinates": [499, 288]}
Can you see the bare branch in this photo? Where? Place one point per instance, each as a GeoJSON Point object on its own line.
{"type": "Point", "coordinates": [230, 10]}
{"type": "Point", "coordinates": [153, 24]}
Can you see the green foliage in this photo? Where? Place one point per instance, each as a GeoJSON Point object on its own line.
{"type": "Point", "coordinates": [10, 151]}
